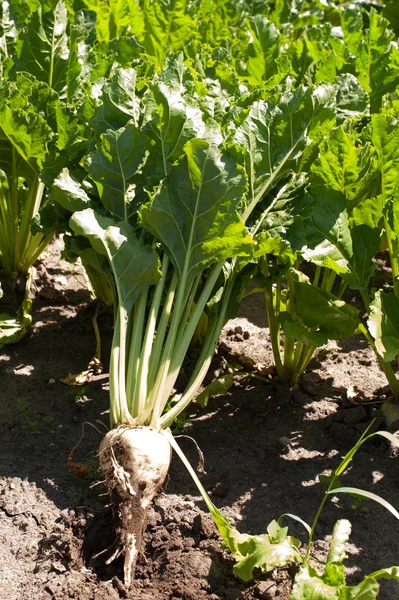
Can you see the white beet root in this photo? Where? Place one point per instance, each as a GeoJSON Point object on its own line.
{"type": "Point", "coordinates": [135, 462]}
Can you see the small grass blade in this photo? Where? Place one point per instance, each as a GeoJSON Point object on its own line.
{"type": "Point", "coordinates": [365, 494]}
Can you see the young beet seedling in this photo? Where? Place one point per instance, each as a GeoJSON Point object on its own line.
{"type": "Point", "coordinates": [277, 549]}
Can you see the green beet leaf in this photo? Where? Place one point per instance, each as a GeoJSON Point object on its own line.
{"type": "Point", "coordinates": [309, 585]}
{"type": "Point", "coordinates": [275, 133]}
{"type": "Point", "coordinates": [341, 179]}
{"type": "Point", "coordinates": [194, 213]}
{"type": "Point", "coordinates": [263, 50]}
{"type": "Point", "coordinates": [44, 49]}
{"type": "Point", "coordinates": [383, 324]}
{"type": "Point", "coordinates": [352, 99]}
{"type": "Point", "coordinates": [68, 193]}
{"type": "Point", "coordinates": [167, 25]}
{"type": "Point", "coordinates": [13, 329]}
{"type": "Point", "coordinates": [274, 549]}
{"type": "Point", "coordinates": [115, 166]}
{"type": "Point", "coordinates": [174, 116]}
{"type": "Point", "coordinates": [116, 18]}
{"type": "Point", "coordinates": [371, 51]}
{"type": "Point", "coordinates": [120, 102]}
{"type": "Point", "coordinates": [320, 309]}
{"type": "Point", "coordinates": [134, 264]}
{"type": "Point", "coordinates": [340, 536]}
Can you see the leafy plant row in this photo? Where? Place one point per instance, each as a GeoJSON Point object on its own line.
{"type": "Point", "coordinates": [191, 153]}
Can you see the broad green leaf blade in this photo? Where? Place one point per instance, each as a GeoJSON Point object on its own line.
{"type": "Point", "coordinates": [167, 25]}
{"type": "Point", "coordinates": [44, 52]}
{"type": "Point", "coordinates": [115, 18]}
{"type": "Point", "coordinates": [320, 309]}
{"type": "Point", "coordinates": [341, 179]}
{"type": "Point", "coordinates": [383, 134]}
{"type": "Point", "coordinates": [372, 52]}
{"type": "Point", "coordinates": [300, 333]}
{"type": "Point", "coordinates": [383, 324]}
{"type": "Point", "coordinates": [326, 255]}
{"type": "Point", "coordinates": [173, 116]}
{"type": "Point", "coordinates": [343, 165]}
{"type": "Point", "coordinates": [369, 495]}
{"type": "Point", "coordinates": [263, 50]}
{"type": "Point", "coordinates": [352, 99]}
{"type": "Point", "coordinates": [120, 102]}
{"type": "Point", "coordinates": [286, 214]}
{"type": "Point", "coordinates": [68, 193]}
{"type": "Point", "coordinates": [117, 164]}
{"type": "Point", "coordinates": [135, 265]}
{"type": "Point", "coordinates": [275, 133]}
{"type": "Point", "coordinates": [340, 536]}
{"type": "Point", "coordinates": [28, 133]}
{"type": "Point", "coordinates": [194, 212]}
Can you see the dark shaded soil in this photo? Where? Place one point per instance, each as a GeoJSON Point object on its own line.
{"type": "Point", "coordinates": [264, 448]}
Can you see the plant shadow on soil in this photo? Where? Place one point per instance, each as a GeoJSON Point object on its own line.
{"type": "Point", "coordinates": [264, 446]}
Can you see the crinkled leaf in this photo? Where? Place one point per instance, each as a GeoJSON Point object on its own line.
{"type": "Point", "coordinates": [274, 134]}
{"type": "Point", "coordinates": [44, 52]}
{"type": "Point", "coordinates": [309, 585]}
{"type": "Point", "coordinates": [115, 18]}
{"type": "Point", "coordinates": [326, 255]}
{"type": "Point", "coordinates": [116, 165]}
{"type": "Point", "coordinates": [334, 183]}
{"type": "Point", "coordinates": [383, 324]}
{"type": "Point", "coordinates": [286, 212]}
{"type": "Point", "coordinates": [194, 212]}
{"type": "Point", "coordinates": [120, 102]}
{"type": "Point", "coordinates": [371, 50]}
{"type": "Point", "coordinates": [275, 245]}
{"type": "Point", "coordinates": [167, 25]}
{"type": "Point", "coordinates": [68, 193]}
{"type": "Point", "coordinates": [28, 133]}
{"type": "Point", "coordinates": [343, 166]}
{"type": "Point", "coordinates": [383, 133]}
{"type": "Point", "coordinates": [390, 573]}
{"type": "Point", "coordinates": [366, 590]}
{"type": "Point", "coordinates": [266, 552]}
{"type": "Point", "coordinates": [340, 536]}
{"type": "Point", "coordinates": [174, 117]}
{"type": "Point", "coordinates": [134, 264]}
{"type": "Point", "coordinates": [352, 99]}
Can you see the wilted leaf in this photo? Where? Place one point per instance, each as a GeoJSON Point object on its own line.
{"type": "Point", "coordinates": [218, 387]}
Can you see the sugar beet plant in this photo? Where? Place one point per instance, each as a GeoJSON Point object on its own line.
{"type": "Point", "coordinates": [165, 199]}
{"type": "Point", "coordinates": [44, 105]}
{"type": "Point", "coordinates": [339, 211]}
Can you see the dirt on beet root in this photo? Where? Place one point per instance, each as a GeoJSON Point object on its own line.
{"type": "Point", "coordinates": [264, 445]}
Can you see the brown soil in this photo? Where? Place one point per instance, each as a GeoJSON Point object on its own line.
{"type": "Point", "coordinates": [264, 447]}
